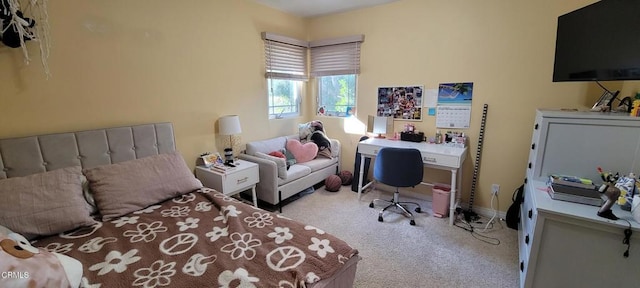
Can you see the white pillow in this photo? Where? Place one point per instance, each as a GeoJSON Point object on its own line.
{"type": "Point", "coordinates": [281, 164]}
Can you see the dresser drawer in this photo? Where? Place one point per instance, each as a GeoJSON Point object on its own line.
{"type": "Point", "coordinates": [523, 259]}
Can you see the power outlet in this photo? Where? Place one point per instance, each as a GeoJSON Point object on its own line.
{"type": "Point", "coordinates": [495, 188]}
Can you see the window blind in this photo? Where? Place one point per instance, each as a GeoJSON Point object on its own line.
{"type": "Point", "coordinates": [286, 58]}
{"type": "Point", "coordinates": [338, 56]}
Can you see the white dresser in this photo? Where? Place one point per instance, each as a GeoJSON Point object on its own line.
{"type": "Point", "coordinates": [565, 244]}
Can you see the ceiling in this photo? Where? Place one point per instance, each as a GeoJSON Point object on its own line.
{"type": "Point", "coordinates": [312, 8]}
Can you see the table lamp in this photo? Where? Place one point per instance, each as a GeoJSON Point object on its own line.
{"type": "Point", "coordinates": [229, 125]}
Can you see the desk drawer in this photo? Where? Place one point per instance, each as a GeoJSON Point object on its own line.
{"type": "Point", "coordinates": [366, 149]}
{"type": "Point", "coordinates": [442, 160]}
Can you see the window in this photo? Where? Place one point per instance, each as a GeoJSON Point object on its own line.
{"type": "Point", "coordinates": [286, 70]}
{"type": "Point", "coordinates": [336, 64]}
{"type": "Point", "coordinates": [336, 95]}
{"type": "Point", "coordinates": [284, 97]}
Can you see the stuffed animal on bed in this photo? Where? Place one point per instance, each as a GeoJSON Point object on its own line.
{"type": "Point", "coordinates": [22, 265]}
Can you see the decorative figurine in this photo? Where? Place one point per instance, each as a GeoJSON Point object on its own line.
{"type": "Point", "coordinates": [612, 193]}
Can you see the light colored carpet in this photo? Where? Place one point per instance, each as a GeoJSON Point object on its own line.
{"type": "Point", "coordinates": [395, 254]}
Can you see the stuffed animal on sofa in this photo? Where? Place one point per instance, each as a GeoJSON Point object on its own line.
{"type": "Point", "coordinates": [22, 265]}
{"type": "Point", "coordinates": [313, 131]}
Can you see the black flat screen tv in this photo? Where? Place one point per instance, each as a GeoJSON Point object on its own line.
{"type": "Point", "coordinates": [599, 42]}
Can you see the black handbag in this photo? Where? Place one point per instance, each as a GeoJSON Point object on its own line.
{"type": "Point", "coordinates": [513, 213]}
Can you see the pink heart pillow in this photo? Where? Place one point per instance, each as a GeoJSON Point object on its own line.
{"type": "Point", "coordinates": [302, 152]}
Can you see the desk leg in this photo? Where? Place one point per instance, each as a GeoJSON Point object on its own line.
{"type": "Point", "coordinates": [361, 176]}
{"type": "Point", "coordinates": [459, 198]}
{"type": "Point", "coordinates": [452, 200]}
{"type": "Point", "coordinates": [255, 197]}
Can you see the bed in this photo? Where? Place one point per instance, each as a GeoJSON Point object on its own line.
{"type": "Point", "coordinates": [122, 203]}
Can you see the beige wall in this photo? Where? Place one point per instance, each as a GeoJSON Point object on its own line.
{"type": "Point", "coordinates": [505, 47]}
{"type": "Point", "coordinates": [129, 62]}
{"type": "Point", "coordinates": [190, 62]}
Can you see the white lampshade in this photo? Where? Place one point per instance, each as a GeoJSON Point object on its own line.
{"type": "Point", "coordinates": [230, 125]}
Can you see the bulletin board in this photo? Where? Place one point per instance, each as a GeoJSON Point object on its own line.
{"type": "Point", "coordinates": [400, 103]}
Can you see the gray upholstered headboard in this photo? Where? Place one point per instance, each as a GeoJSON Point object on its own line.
{"type": "Point", "coordinates": [36, 154]}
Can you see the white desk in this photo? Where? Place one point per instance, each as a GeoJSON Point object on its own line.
{"type": "Point", "coordinates": [437, 156]}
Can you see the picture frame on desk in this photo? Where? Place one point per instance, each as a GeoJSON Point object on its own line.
{"type": "Point", "coordinates": [401, 102]}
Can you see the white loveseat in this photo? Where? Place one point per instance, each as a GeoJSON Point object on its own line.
{"type": "Point", "coordinates": [300, 176]}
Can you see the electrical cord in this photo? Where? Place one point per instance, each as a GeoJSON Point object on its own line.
{"type": "Point", "coordinates": [495, 213]}
{"type": "Point", "coordinates": [469, 227]}
{"type": "Point", "coordinates": [627, 238]}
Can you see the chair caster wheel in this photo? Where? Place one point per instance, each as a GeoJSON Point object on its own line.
{"type": "Point", "coordinates": [379, 218]}
{"type": "Point", "coordinates": [412, 223]}
{"type": "Point", "coordinates": [418, 210]}
{"type": "Point", "coordinates": [371, 205]}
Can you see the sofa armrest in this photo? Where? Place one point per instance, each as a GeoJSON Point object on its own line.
{"type": "Point", "coordinates": [335, 148]}
{"type": "Point", "coordinates": [268, 173]}
{"type": "Point", "coordinates": [336, 152]}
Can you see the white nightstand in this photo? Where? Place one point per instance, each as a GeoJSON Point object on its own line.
{"type": "Point", "coordinates": [244, 176]}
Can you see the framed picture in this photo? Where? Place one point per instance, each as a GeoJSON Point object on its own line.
{"type": "Point", "coordinates": [212, 159]}
{"type": "Point", "coordinates": [605, 100]}
{"type": "Point", "coordinates": [400, 103]}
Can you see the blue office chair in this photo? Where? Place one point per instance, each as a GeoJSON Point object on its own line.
{"type": "Point", "coordinates": [398, 167]}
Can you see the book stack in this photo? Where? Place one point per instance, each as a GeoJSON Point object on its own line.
{"type": "Point", "coordinates": [574, 189]}
{"type": "Point", "coordinates": [221, 168]}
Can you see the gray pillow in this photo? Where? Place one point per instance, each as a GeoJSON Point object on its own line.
{"type": "Point", "coordinates": [45, 203]}
{"type": "Point", "coordinates": [281, 164]}
{"type": "Point", "coordinates": [128, 186]}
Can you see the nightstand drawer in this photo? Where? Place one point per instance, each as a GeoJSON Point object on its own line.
{"type": "Point", "coordinates": [240, 179]}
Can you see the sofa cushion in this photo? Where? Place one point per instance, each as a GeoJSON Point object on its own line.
{"type": "Point", "coordinates": [266, 146]}
{"type": "Point", "coordinates": [296, 171]}
{"type": "Point", "coordinates": [281, 163]}
{"type": "Point", "coordinates": [319, 163]}
{"type": "Point", "coordinates": [303, 152]}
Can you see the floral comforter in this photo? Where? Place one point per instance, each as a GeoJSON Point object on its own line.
{"type": "Point", "coordinates": [202, 239]}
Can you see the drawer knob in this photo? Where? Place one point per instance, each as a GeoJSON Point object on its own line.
{"type": "Point", "coordinates": [525, 180]}
{"type": "Point", "coordinates": [533, 146]}
{"type": "Point", "coordinates": [535, 127]}
{"type": "Point", "coordinates": [529, 165]}
{"type": "Point", "coordinates": [522, 266]}
{"type": "Point", "coordinates": [530, 213]}
{"type": "Point", "coordinates": [526, 239]}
